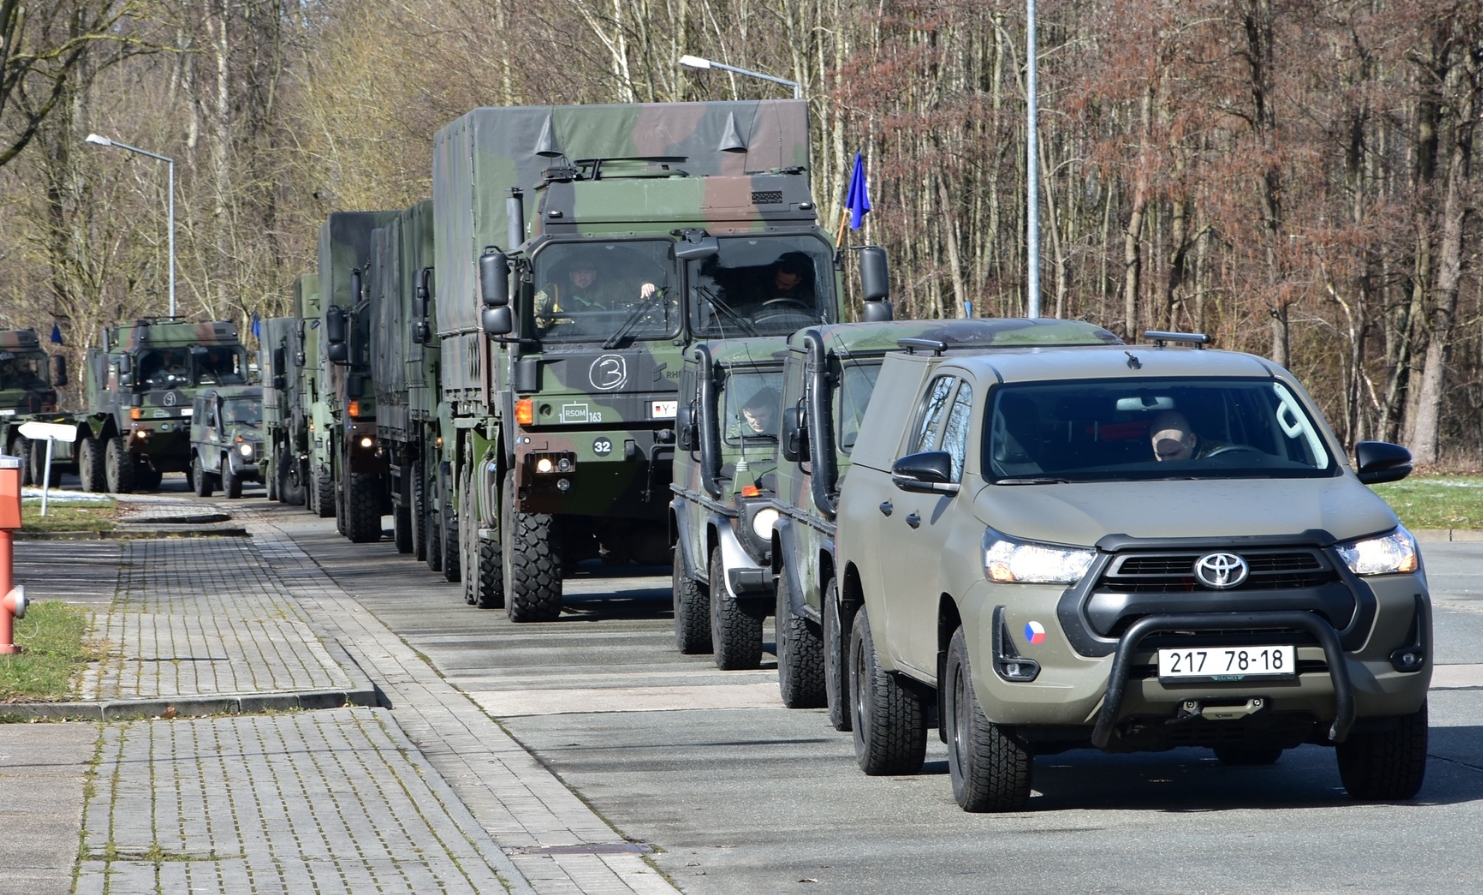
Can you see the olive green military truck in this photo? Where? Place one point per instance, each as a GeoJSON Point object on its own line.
{"type": "Point", "coordinates": [280, 463]}
{"type": "Point", "coordinates": [829, 377]}
{"type": "Point", "coordinates": [1130, 549]}
{"type": "Point", "coordinates": [649, 227]}
{"type": "Point", "coordinates": [29, 380]}
{"type": "Point", "coordinates": [226, 433]}
{"type": "Point", "coordinates": [141, 385]}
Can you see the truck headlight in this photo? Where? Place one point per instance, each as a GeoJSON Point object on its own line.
{"type": "Point", "coordinates": [1007, 560]}
{"type": "Point", "coordinates": [1385, 555]}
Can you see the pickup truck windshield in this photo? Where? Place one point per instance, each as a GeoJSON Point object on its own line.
{"type": "Point", "coordinates": [1148, 429]}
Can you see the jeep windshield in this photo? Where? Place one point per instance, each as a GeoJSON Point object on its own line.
{"type": "Point", "coordinates": [761, 286]}
{"type": "Point", "coordinates": [595, 291]}
{"type": "Point", "coordinates": [1146, 429]}
{"type": "Point", "coordinates": [750, 401]}
{"type": "Point", "coordinates": [242, 412]}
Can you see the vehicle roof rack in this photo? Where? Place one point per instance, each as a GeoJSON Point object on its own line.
{"type": "Point", "coordinates": [1158, 337]}
{"type": "Point", "coordinates": [912, 346]}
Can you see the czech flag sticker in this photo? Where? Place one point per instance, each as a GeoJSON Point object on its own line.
{"type": "Point", "coordinates": [1035, 633]}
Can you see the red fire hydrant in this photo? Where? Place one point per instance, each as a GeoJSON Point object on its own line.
{"type": "Point", "coordinates": [12, 598]}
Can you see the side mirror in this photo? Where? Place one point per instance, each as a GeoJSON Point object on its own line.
{"type": "Point", "coordinates": [686, 437]}
{"type": "Point", "coordinates": [125, 364]}
{"type": "Point", "coordinates": [498, 321]}
{"type": "Point", "coordinates": [875, 274]}
{"type": "Point", "coordinates": [494, 280]}
{"type": "Point", "coordinates": [280, 381]}
{"type": "Point", "coordinates": [927, 471]}
{"type": "Point", "coordinates": [59, 371]}
{"type": "Point", "coordinates": [355, 386]}
{"type": "Point", "coordinates": [424, 292]}
{"type": "Point", "coordinates": [879, 312]}
{"type": "Point", "coordinates": [334, 333]}
{"type": "Point", "coordinates": [278, 361]}
{"type": "Point", "coordinates": [1377, 462]}
{"type": "Point", "coordinates": [795, 434]}
{"type": "Point", "coordinates": [705, 247]}
{"type": "Point", "coordinates": [421, 332]}
{"type": "Point", "coordinates": [299, 358]}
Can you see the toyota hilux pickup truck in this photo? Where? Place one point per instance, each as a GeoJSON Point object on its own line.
{"type": "Point", "coordinates": [1129, 548]}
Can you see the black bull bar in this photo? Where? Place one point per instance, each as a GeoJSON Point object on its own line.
{"type": "Point", "coordinates": [1321, 630]}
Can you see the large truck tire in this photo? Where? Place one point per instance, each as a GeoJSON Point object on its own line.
{"type": "Point", "coordinates": [270, 482]}
{"type": "Point", "coordinates": [362, 508]}
{"type": "Point", "coordinates": [532, 561]}
{"type": "Point", "coordinates": [118, 465]}
{"type": "Point", "coordinates": [90, 466]}
{"type": "Point", "coordinates": [433, 530]}
{"type": "Point", "coordinates": [484, 584]}
{"type": "Point", "coordinates": [324, 493]}
{"type": "Point", "coordinates": [448, 535]}
{"type": "Point", "coordinates": [21, 447]}
{"type": "Point", "coordinates": [418, 509]}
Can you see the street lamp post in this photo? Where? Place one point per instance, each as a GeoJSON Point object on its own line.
{"type": "Point", "coordinates": [98, 140]}
{"type": "Point", "coordinates": [697, 62]}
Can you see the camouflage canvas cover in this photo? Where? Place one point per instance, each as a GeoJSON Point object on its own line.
{"type": "Point", "coordinates": [399, 252]}
{"type": "Point", "coordinates": [345, 246]}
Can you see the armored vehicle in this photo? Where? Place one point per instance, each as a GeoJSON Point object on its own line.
{"type": "Point", "coordinates": [404, 358]}
{"type": "Point", "coordinates": [226, 432]}
{"type": "Point", "coordinates": [724, 476]}
{"type": "Point", "coordinates": [651, 226]}
{"type": "Point", "coordinates": [280, 462]}
{"type": "Point", "coordinates": [829, 377]}
{"type": "Point", "coordinates": [28, 387]}
{"type": "Point", "coordinates": [342, 442]}
{"type": "Point", "coordinates": [140, 387]}
{"type": "Point", "coordinates": [1131, 549]}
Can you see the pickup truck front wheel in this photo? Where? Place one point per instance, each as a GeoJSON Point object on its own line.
{"type": "Point", "coordinates": [889, 720]}
{"type": "Point", "coordinates": [1385, 765]}
{"type": "Point", "coordinates": [990, 771]}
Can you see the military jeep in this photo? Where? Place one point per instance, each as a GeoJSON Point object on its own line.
{"type": "Point", "coordinates": [226, 439]}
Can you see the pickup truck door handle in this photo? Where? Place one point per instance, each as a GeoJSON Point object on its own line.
{"type": "Point", "coordinates": [886, 507]}
{"type": "Point", "coordinates": [914, 520]}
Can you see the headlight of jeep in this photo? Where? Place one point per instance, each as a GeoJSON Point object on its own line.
{"type": "Point", "coordinates": [246, 448]}
{"type": "Point", "coordinates": [1387, 555]}
{"type": "Point", "coordinates": [763, 522]}
{"type": "Point", "coordinates": [1007, 560]}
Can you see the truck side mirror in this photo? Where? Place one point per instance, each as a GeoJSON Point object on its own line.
{"type": "Point", "coordinates": [355, 386]}
{"type": "Point", "coordinates": [1377, 462]}
{"type": "Point", "coordinates": [125, 371]}
{"type": "Point", "coordinates": [494, 279]}
{"type": "Point", "coordinates": [423, 293]}
{"type": "Point", "coordinates": [686, 438]}
{"type": "Point", "coordinates": [59, 371]}
{"type": "Point", "coordinates": [421, 332]}
{"type": "Point", "coordinates": [334, 333]}
{"type": "Point", "coordinates": [875, 274]}
{"type": "Point", "coordinates": [497, 321]}
{"type": "Point", "coordinates": [279, 374]}
{"type": "Point", "coordinates": [795, 434]}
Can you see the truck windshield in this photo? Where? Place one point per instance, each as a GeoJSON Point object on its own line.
{"type": "Point", "coordinates": [18, 371]}
{"type": "Point", "coordinates": [595, 291]}
{"type": "Point", "coordinates": [761, 286]}
{"type": "Point", "coordinates": [750, 403]}
{"type": "Point", "coordinates": [220, 365]}
{"type": "Point", "coordinates": [1152, 429]}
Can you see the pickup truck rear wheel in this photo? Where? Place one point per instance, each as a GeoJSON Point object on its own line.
{"type": "Point", "coordinates": [889, 720]}
{"type": "Point", "coordinates": [736, 628]}
{"type": "Point", "coordinates": [118, 465]}
{"type": "Point", "coordinates": [90, 466]}
{"type": "Point", "coordinates": [800, 653]}
{"type": "Point", "coordinates": [1385, 765]}
{"type": "Point", "coordinates": [532, 561]}
{"type": "Point", "coordinates": [692, 610]}
{"type": "Point", "coordinates": [990, 771]}
{"type": "Point", "coordinates": [836, 659]}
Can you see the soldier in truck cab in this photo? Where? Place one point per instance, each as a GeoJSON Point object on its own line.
{"type": "Point", "coordinates": [579, 289]}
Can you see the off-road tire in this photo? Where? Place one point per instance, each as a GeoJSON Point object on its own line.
{"type": "Point", "coordinates": [532, 561]}
{"type": "Point", "coordinates": [201, 484]}
{"type": "Point", "coordinates": [990, 771]}
{"type": "Point", "coordinates": [21, 447]}
{"type": "Point", "coordinates": [431, 528]}
{"type": "Point", "coordinates": [692, 610]}
{"type": "Point", "coordinates": [836, 645]}
{"type": "Point", "coordinates": [800, 651]}
{"type": "Point", "coordinates": [36, 463]}
{"type": "Point", "coordinates": [736, 626]}
{"type": "Point", "coordinates": [491, 578]}
{"type": "Point", "coordinates": [270, 482]}
{"type": "Point", "coordinates": [231, 483]}
{"type": "Point", "coordinates": [468, 560]}
{"type": "Point", "coordinates": [889, 721]}
{"type": "Point", "coordinates": [1386, 765]}
{"type": "Point", "coordinates": [448, 519]}
{"type": "Point", "coordinates": [419, 514]}
{"type": "Point", "coordinates": [401, 527]}
{"type": "Point", "coordinates": [1248, 756]}
{"type": "Point", "coordinates": [90, 466]}
{"type": "Point", "coordinates": [324, 494]}
{"type": "Point", "coordinates": [147, 478]}
{"type": "Point", "coordinates": [118, 465]}
{"type": "Point", "coordinates": [362, 508]}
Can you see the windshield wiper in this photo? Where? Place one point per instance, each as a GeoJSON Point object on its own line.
{"type": "Point", "coordinates": [722, 309]}
{"type": "Point", "coordinates": [633, 317]}
{"type": "Point", "coordinates": [1033, 480]}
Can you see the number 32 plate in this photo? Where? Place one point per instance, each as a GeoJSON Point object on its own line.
{"type": "Point", "coordinates": [1228, 663]}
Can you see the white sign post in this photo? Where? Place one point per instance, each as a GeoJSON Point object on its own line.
{"type": "Point", "coordinates": [52, 432]}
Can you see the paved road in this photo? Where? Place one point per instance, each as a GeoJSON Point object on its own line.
{"type": "Point", "coordinates": [741, 795]}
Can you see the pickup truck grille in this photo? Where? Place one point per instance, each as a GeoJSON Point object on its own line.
{"type": "Point", "coordinates": [1175, 572]}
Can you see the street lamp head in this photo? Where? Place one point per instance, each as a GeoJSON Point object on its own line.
{"type": "Point", "coordinates": [99, 140]}
{"type": "Point", "coordinates": [695, 62]}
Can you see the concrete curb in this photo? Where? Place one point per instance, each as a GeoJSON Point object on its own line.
{"type": "Point", "coordinates": [189, 706]}
{"type": "Point", "coordinates": [127, 534]}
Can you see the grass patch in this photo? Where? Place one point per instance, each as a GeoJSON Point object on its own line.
{"type": "Point", "coordinates": [53, 654]}
{"type": "Point", "coordinates": [1436, 501]}
{"type": "Point", "coordinates": [71, 514]}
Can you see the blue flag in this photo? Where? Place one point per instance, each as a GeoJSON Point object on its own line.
{"type": "Point", "coordinates": [56, 333]}
{"type": "Point", "coordinates": [257, 327]}
{"type": "Point", "coordinates": [858, 200]}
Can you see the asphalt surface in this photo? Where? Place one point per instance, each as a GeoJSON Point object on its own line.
{"type": "Point", "coordinates": [449, 750]}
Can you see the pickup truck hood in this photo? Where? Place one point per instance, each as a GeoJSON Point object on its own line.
{"type": "Point", "coordinates": [1081, 514]}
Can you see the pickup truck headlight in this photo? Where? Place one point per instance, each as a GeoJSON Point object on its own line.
{"type": "Point", "coordinates": [1007, 560]}
{"type": "Point", "coordinates": [1385, 555]}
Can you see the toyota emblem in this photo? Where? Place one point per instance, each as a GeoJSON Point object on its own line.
{"type": "Point", "coordinates": [1221, 570]}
